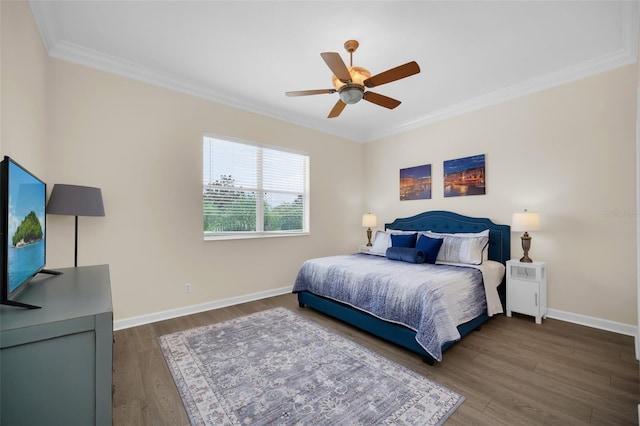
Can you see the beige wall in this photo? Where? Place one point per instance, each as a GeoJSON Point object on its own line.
{"type": "Point", "coordinates": [568, 153]}
{"type": "Point", "coordinates": [23, 119]}
{"type": "Point", "coordinates": [143, 146]}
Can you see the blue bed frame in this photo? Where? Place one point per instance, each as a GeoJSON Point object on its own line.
{"type": "Point", "coordinates": [436, 221]}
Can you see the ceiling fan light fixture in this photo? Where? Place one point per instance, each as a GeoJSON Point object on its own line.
{"type": "Point", "coordinates": [358, 76]}
{"type": "Point", "coordinates": [352, 81]}
{"type": "Point", "coordinates": [351, 93]}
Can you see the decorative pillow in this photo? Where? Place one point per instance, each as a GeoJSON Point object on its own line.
{"type": "Point", "coordinates": [382, 240]}
{"type": "Point", "coordinates": [485, 233]}
{"type": "Point", "coordinates": [430, 247]}
{"type": "Point", "coordinates": [381, 243]}
{"type": "Point", "coordinates": [404, 240]}
{"type": "Point", "coordinates": [406, 254]}
{"type": "Point", "coordinates": [461, 249]}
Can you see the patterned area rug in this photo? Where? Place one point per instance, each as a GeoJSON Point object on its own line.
{"type": "Point", "coordinates": [275, 367]}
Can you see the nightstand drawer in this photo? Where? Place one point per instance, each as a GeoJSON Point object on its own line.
{"type": "Point", "coordinates": [524, 271]}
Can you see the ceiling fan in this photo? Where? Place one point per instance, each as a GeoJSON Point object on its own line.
{"type": "Point", "coordinates": [350, 82]}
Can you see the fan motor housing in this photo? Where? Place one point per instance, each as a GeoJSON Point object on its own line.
{"type": "Point", "coordinates": [351, 93]}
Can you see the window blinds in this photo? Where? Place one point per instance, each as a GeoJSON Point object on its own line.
{"type": "Point", "coordinates": [249, 188]}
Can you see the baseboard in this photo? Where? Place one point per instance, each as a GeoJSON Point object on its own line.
{"type": "Point", "coordinates": [616, 327]}
{"type": "Point", "coordinates": [194, 309]}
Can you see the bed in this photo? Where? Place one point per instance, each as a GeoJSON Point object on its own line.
{"type": "Point", "coordinates": [407, 334]}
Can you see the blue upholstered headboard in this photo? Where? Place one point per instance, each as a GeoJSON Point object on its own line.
{"type": "Point", "coordinates": [449, 222]}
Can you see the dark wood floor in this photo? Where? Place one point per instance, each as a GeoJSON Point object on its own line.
{"type": "Point", "coordinates": [511, 372]}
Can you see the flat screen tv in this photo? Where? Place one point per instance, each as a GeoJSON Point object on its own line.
{"type": "Point", "coordinates": [23, 230]}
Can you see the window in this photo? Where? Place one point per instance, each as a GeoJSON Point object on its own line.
{"type": "Point", "coordinates": [253, 191]}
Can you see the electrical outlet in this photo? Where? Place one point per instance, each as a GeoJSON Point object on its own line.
{"type": "Point", "coordinates": [187, 288]}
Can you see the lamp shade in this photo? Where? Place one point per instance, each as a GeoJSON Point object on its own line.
{"type": "Point", "coordinates": [369, 220]}
{"type": "Point", "coordinates": [525, 221]}
{"type": "Point", "coordinates": [74, 200]}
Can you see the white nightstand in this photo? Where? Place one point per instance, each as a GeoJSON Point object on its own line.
{"type": "Point", "coordinates": [527, 289]}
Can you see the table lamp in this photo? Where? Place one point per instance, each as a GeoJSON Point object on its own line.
{"type": "Point", "coordinates": [525, 221]}
{"type": "Point", "coordinates": [369, 220]}
{"type": "Point", "coordinates": [74, 200]}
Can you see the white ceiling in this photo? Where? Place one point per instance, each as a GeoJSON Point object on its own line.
{"type": "Point", "coordinates": [248, 53]}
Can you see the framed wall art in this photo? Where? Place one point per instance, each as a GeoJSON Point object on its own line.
{"type": "Point", "coordinates": [464, 176]}
{"type": "Point", "coordinates": [415, 183]}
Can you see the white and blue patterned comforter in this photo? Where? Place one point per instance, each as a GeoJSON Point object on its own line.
{"type": "Point", "coordinates": [430, 299]}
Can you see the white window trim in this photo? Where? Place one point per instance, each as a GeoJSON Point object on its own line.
{"type": "Point", "coordinates": [238, 235]}
{"type": "Point", "coordinates": [243, 235]}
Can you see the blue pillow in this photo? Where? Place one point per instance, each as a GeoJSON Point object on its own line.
{"type": "Point", "coordinates": [405, 254]}
{"type": "Point", "coordinates": [403, 240]}
{"type": "Point", "coordinates": [430, 247]}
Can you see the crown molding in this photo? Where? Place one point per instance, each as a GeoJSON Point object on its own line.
{"type": "Point", "coordinates": [566, 75]}
{"type": "Point", "coordinates": [627, 55]}
{"type": "Point", "coordinates": [46, 33]}
{"type": "Point", "coordinates": [82, 55]}
{"type": "Point", "coordinates": [78, 54]}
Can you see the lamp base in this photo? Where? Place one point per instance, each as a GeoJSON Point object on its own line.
{"type": "Point", "coordinates": [369, 237]}
{"type": "Point", "coordinates": [526, 245]}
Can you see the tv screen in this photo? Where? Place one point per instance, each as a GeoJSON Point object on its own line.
{"type": "Point", "coordinates": [23, 226]}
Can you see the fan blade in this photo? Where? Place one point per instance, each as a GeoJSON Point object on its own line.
{"type": "Point", "coordinates": [310, 92]}
{"type": "Point", "coordinates": [337, 109]}
{"type": "Point", "coordinates": [393, 74]}
{"type": "Point", "coordinates": [337, 66]}
{"type": "Point", "coordinates": [383, 101]}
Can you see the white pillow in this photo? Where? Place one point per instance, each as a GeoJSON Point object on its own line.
{"type": "Point", "coordinates": [461, 248]}
{"type": "Point", "coordinates": [485, 233]}
{"type": "Point", "coordinates": [381, 243]}
{"type": "Point", "coordinates": [398, 231]}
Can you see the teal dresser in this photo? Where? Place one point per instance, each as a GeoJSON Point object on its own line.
{"type": "Point", "coordinates": [56, 362]}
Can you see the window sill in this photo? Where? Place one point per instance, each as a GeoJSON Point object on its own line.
{"type": "Point", "coordinates": [251, 235]}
